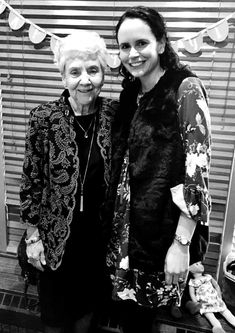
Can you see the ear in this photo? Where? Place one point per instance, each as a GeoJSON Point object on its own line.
{"type": "Point", "coordinates": [161, 46]}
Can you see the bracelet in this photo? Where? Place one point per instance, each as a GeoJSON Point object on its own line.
{"type": "Point", "coordinates": [32, 240]}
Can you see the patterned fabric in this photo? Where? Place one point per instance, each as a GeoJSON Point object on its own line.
{"type": "Point", "coordinates": [196, 132]}
{"type": "Point", "coordinates": [207, 295]}
{"type": "Point", "coordinates": [136, 279]}
{"type": "Point", "coordinates": [146, 289]}
{"type": "Point", "coordinates": [51, 169]}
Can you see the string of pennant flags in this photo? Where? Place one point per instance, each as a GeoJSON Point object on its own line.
{"type": "Point", "coordinates": [218, 32]}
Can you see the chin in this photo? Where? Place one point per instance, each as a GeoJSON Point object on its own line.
{"type": "Point", "coordinates": [202, 269]}
{"type": "Point", "coordinates": [137, 73]}
{"type": "Point", "coordinates": [86, 100]}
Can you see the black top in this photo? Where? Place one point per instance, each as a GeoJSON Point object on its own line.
{"type": "Point", "coordinates": [85, 232]}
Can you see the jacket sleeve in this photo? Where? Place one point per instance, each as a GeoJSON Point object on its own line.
{"type": "Point", "coordinates": [193, 195]}
{"type": "Point", "coordinates": [32, 175]}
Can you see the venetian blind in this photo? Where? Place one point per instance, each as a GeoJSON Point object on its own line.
{"type": "Point", "coordinates": [29, 78]}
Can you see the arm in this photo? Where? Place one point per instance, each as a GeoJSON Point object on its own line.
{"type": "Point", "coordinates": [216, 286]}
{"type": "Point", "coordinates": [177, 258]}
{"type": "Point", "coordinates": [192, 293]}
{"type": "Point", "coordinates": [192, 196]}
{"type": "Point", "coordinates": [196, 133]}
{"type": "Point", "coordinates": [31, 190]}
{"type": "Point", "coordinates": [32, 176]}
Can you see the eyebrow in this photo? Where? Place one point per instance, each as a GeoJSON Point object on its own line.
{"type": "Point", "coordinates": [124, 43]}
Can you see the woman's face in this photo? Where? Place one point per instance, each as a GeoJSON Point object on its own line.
{"type": "Point", "coordinates": [83, 78]}
{"type": "Point", "coordinates": [139, 49]}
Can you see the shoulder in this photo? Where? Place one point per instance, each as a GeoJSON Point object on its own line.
{"type": "Point", "coordinates": [193, 96]}
{"type": "Point", "coordinates": [108, 108]}
{"type": "Point", "coordinates": [207, 277]}
{"type": "Point", "coordinates": [192, 86]}
{"type": "Point", "coordinates": [110, 104]}
{"type": "Point", "coordinates": [192, 283]}
{"type": "Point", "coordinates": [44, 111]}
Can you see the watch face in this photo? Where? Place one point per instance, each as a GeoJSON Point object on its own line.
{"type": "Point", "coordinates": [184, 241]}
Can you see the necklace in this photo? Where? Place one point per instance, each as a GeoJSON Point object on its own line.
{"type": "Point", "coordinates": [139, 96]}
{"type": "Point", "coordinates": [82, 180]}
{"type": "Point", "coordinates": [85, 131]}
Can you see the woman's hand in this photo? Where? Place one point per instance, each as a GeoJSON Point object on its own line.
{"type": "Point", "coordinates": [176, 263]}
{"type": "Point", "coordinates": [35, 253]}
{"type": "Point", "coordinates": [177, 257]}
{"type": "Point", "coordinates": [35, 248]}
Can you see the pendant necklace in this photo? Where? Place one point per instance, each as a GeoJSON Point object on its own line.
{"type": "Point", "coordinates": [82, 180]}
{"type": "Point", "coordinates": [139, 96]}
{"type": "Point", "coordinates": [85, 131]}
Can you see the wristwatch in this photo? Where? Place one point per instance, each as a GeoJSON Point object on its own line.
{"type": "Point", "coordinates": [32, 240]}
{"type": "Point", "coordinates": [182, 240]}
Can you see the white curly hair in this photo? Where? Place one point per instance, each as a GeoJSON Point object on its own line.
{"type": "Point", "coordinates": [80, 43]}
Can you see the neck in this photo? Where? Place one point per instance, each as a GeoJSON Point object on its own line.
{"type": "Point", "coordinates": [82, 110]}
{"type": "Point", "coordinates": [152, 79]}
{"type": "Point", "coordinates": [197, 275]}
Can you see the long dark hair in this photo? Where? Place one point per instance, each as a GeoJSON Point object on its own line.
{"type": "Point", "coordinates": [169, 58]}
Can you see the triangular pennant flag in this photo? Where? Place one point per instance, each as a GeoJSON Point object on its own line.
{"type": "Point", "coordinates": [15, 21]}
{"type": "Point", "coordinates": [54, 42]}
{"type": "Point", "coordinates": [2, 7]}
{"type": "Point", "coordinates": [113, 60]}
{"type": "Point", "coordinates": [219, 31]}
{"type": "Point", "coordinates": [175, 46]}
{"type": "Point", "coordinates": [194, 44]}
{"type": "Point", "coordinates": [36, 35]}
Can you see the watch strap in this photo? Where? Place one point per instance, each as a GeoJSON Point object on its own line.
{"type": "Point", "coordinates": [182, 240]}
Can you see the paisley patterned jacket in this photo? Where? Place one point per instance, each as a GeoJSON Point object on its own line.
{"type": "Point", "coordinates": [51, 169]}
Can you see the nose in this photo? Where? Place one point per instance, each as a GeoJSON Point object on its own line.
{"type": "Point", "coordinates": [133, 52]}
{"type": "Point", "coordinates": [85, 78]}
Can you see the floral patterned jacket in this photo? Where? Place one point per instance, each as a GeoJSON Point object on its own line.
{"type": "Point", "coordinates": [51, 169]}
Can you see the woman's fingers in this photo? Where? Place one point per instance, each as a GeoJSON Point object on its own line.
{"type": "Point", "coordinates": [42, 258]}
{"type": "Point", "coordinates": [36, 263]}
{"type": "Point", "coordinates": [172, 278]}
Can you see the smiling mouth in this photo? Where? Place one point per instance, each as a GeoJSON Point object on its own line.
{"type": "Point", "coordinates": [136, 64]}
{"type": "Point", "coordinates": [85, 91]}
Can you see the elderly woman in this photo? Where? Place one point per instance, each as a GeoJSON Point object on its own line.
{"type": "Point", "coordinates": [65, 176]}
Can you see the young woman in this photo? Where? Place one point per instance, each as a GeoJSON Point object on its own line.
{"type": "Point", "coordinates": [65, 176]}
{"type": "Point", "coordinates": [160, 171]}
